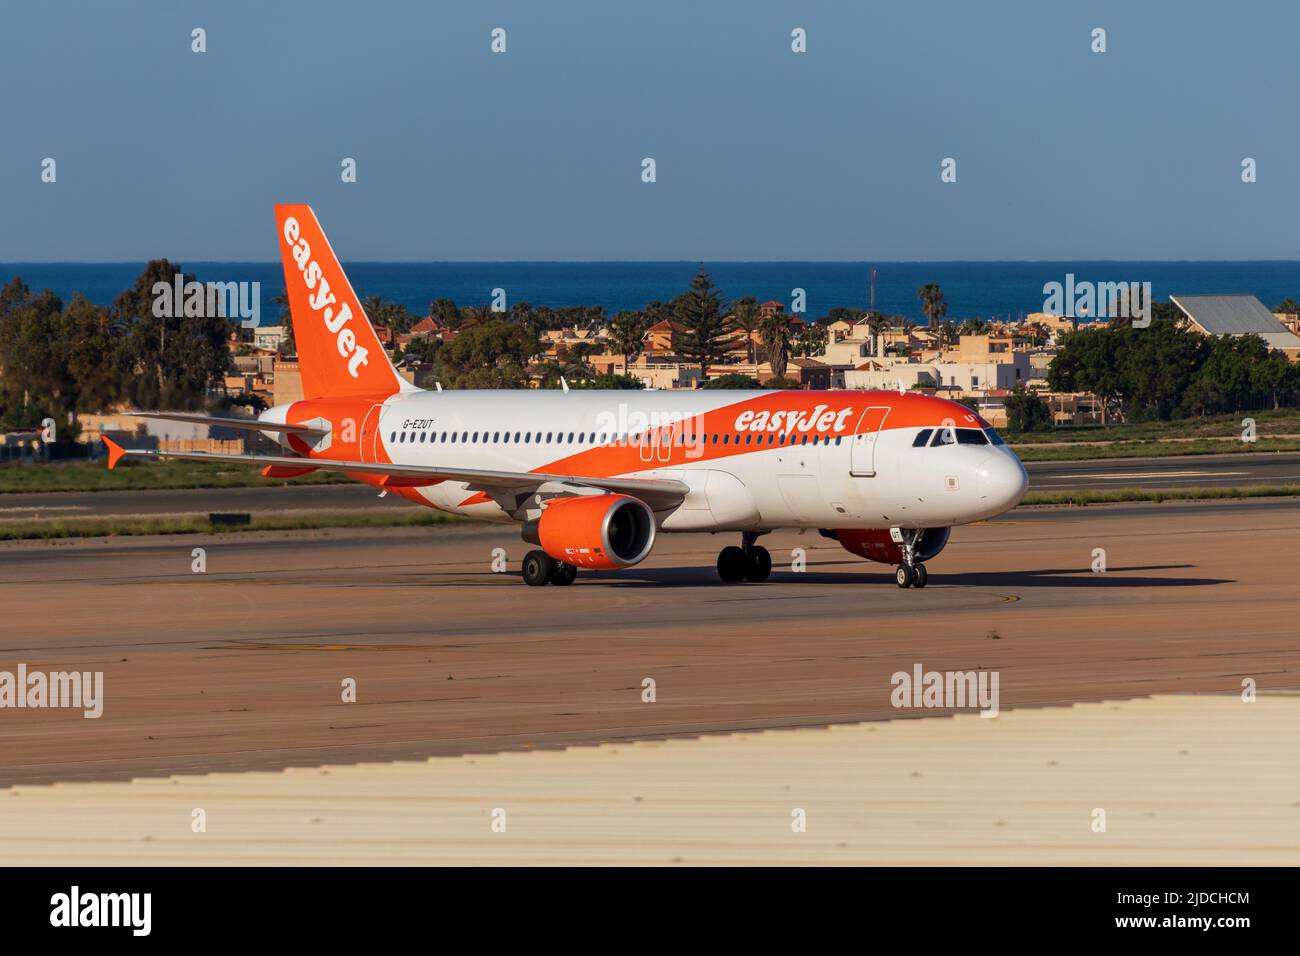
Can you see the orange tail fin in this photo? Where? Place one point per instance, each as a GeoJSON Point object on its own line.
{"type": "Point", "coordinates": [338, 351]}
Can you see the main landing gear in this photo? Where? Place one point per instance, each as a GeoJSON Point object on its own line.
{"type": "Point", "coordinates": [911, 573]}
{"type": "Point", "coordinates": [541, 569]}
{"type": "Point", "coordinates": [749, 562]}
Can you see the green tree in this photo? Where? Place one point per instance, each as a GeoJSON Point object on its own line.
{"type": "Point", "coordinates": [699, 311]}
{"type": "Point", "coordinates": [1026, 412]}
{"type": "Point", "coordinates": [173, 359]}
{"type": "Point", "coordinates": [492, 354]}
{"type": "Point", "coordinates": [732, 380]}
{"type": "Point", "coordinates": [876, 323]}
{"type": "Point", "coordinates": [608, 381]}
{"type": "Point", "coordinates": [774, 333]}
{"type": "Point", "coordinates": [743, 322]}
{"type": "Point", "coordinates": [812, 340]}
{"type": "Point", "coordinates": [932, 303]}
{"type": "Point", "coordinates": [627, 335]}
{"type": "Point", "coordinates": [783, 382]}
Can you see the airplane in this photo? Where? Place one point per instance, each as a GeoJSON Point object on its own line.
{"type": "Point", "coordinates": [593, 477]}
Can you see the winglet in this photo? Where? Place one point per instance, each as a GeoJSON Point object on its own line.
{"type": "Point", "coordinates": [115, 451]}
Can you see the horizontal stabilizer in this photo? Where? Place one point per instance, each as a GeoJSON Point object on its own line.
{"type": "Point", "coordinates": [246, 424]}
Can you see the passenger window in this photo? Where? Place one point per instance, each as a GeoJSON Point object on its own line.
{"type": "Point", "coordinates": [393, 437]}
{"type": "Point", "coordinates": [453, 438]}
{"type": "Point", "coordinates": [422, 437]}
{"type": "Point", "coordinates": [922, 437]}
{"type": "Point", "coordinates": [496, 436]}
{"type": "Point", "coordinates": [838, 438]}
{"type": "Point", "coordinates": [805, 440]}
{"type": "Point", "coordinates": [726, 439]}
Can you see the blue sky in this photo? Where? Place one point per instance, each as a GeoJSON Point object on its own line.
{"type": "Point", "coordinates": [761, 153]}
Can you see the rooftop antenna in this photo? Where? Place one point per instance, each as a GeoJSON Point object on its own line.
{"type": "Point", "coordinates": [872, 306]}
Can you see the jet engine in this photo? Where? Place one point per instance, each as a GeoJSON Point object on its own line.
{"type": "Point", "coordinates": [595, 531]}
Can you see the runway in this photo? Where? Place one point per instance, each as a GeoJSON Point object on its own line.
{"type": "Point", "coordinates": [240, 667]}
{"type": "Point", "coordinates": [1240, 470]}
{"type": "Point", "coordinates": [1192, 471]}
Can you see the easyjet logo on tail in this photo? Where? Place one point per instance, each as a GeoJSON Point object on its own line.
{"type": "Point", "coordinates": [322, 299]}
{"type": "Point", "coordinates": [339, 354]}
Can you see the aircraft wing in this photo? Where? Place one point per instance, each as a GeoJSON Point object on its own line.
{"type": "Point", "coordinates": [658, 493]}
{"type": "Point", "coordinates": [247, 424]}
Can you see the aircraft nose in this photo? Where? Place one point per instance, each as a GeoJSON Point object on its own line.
{"type": "Point", "coordinates": [1002, 481]}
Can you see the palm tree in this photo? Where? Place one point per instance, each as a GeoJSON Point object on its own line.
{"type": "Point", "coordinates": [744, 320]}
{"type": "Point", "coordinates": [774, 332]}
{"type": "Point", "coordinates": [373, 305]}
{"type": "Point", "coordinates": [932, 303]}
{"type": "Point", "coordinates": [282, 300]}
{"type": "Point", "coordinates": [627, 335]}
{"type": "Point", "coordinates": [877, 323]}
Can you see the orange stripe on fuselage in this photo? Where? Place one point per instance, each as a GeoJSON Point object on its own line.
{"type": "Point", "coordinates": [905, 411]}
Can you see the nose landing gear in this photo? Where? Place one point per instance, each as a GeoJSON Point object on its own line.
{"type": "Point", "coordinates": [911, 573]}
{"type": "Point", "coordinates": [750, 562]}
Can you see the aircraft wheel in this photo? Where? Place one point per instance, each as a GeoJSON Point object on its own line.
{"type": "Point", "coordinates": [564, 573]}
{"type": "Point", "coordinates": [919, 575]}
{"type": "Point", "coordinates": [732, 564]}
{"type": "Point", "coordinates": [758, 566]}
{"type": "Point", "coordinates": [903, 575]}
{"type": "Point", "coordinates": [538, 568]}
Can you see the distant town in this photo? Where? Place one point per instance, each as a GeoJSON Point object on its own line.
{"type": "Point", "coordinates": [81, 366]}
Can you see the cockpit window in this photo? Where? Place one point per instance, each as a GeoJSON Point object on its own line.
{"type": "Point", "coordinates": [921, 438]}
{"type": "Point", "coordinates": [994, 437]}
{"type": "Point", "coordinates": [943, 436]}
{"type": "Point", "coordinates": [971, 436]}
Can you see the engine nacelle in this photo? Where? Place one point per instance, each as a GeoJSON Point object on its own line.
{"type": "Point", "coordinates": [875, 544]}
{"type": "Point", "coordinates": [597, 531]}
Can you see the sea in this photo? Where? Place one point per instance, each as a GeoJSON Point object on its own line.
{"type": "Point", "coordinates": [986, 290]}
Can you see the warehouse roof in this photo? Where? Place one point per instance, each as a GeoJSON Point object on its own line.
{"type": "Point", "coordinates": [1236, 315]}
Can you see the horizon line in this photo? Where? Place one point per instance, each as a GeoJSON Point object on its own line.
{"type": "Point", "coordinates": [575, 262]}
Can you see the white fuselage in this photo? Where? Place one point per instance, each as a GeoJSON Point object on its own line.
{"type": "Point", "coordinates": [816, 459]}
